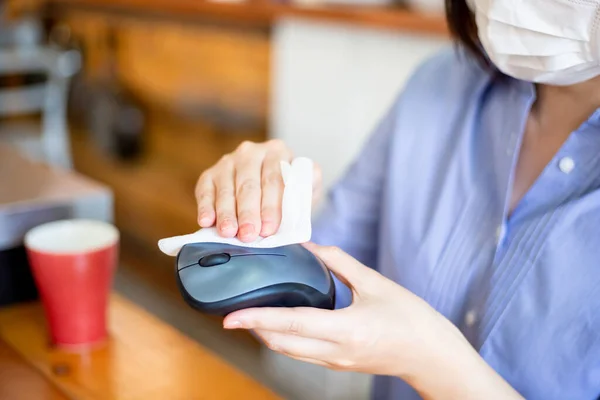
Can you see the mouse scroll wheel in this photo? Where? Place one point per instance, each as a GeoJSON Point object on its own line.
{"type": "Point", "coordinates": [214, 259]}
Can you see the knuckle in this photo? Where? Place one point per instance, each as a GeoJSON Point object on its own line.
{"type": "Point", "coordinates": [248, 185]}
{"type": "Point", "coordinates": [272, 179]}
{"type": "Point", "coordinates": [226, 160]}
{"type": "Point", "coordinates": [205, 197]}
{"type": "Point", "coordinates": [344, 364]}
{"type": "Point", "coordinates": [294, 327]}
{"type": "Point", "coordinates": [333, 251]}
{"type": "Point", "coordinates": [204, 180]}
{"type": "Point", "coordinates": [205, 175]}
{"type": "Point", "coordinates": [272, 344]}
{"type": "Point", "coordinates": [246, 146]}
{"type": "Point", "coordinates": [225, 192]}
{"type": "Point", "coordinates": [275, 144]}
{"type": "Point", "coordinates": [224, 216]}
{"type": "Point", "coordinates": [358, 338]}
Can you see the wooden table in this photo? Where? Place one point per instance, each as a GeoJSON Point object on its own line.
{"type": "Point", "coordinates": [19, 380]}
{"type": "Point", "coordinates": [143, 359]}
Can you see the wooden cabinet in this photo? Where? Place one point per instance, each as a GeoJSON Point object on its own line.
{"type": "Point", "coordinates": [204, 88]}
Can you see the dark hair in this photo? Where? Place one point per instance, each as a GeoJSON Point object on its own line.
{"type": "Point", "coordinates": [462, 26]}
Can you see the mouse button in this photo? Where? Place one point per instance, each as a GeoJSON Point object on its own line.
{"type": "Point", "coordinates": [246, 251]}
{"type": "Point", "coordinates": [302, 266]}
{"type": "Point", "coordinates": [294, 251]}
{"type": "Point", "coordinates": [272, 270]}
{"type": "Point", "coordinates": [210, 285]}
{"type": "Point", "coordinates": [233, 249]}
{"type": "Point", "coordinates": [212, 260]}
{"type": "Point", "coordinates": [188, 256]}
{"type": "Point", "coordinates": [202, 284]}
{"type": "Point", "coordinates": [250, 273]}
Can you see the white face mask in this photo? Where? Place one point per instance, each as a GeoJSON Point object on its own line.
{"type": "Point", "coordinates": [555, 42]}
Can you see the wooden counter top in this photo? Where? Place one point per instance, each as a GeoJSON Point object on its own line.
{"type": "Point", "coordinates": [18, 380]}
{"type": "Point", "coordinates": [264, 12]}
{"type": "Point", "coordinates": [143, 359]}
{"type": "Point", "coordinates": [26, 184]}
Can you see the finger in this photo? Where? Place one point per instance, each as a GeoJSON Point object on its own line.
{"type": "Point", "coordinates": [248, 194]}
{"type": "Point", "coordinates": [317, 178]}
{"type": "Point", "coordinates": [225, 198]}
{"type": "Point", "coordinates": [272, 190]}
{"type": "Point", "coordinates": [205, 198]}
{"type": "Point", "coordinates": [308, 350]}
{"type": "Point", "coordinates": [302, 321]}
{"type": "Point", "coordinates": [299, 347]}
{"type": "Point", "coordinates": [351, 272]}
{"type": "Point", "coordinates": [317, 183]}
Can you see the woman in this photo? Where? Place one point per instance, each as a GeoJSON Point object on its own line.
{"type": "Point", "coordinates": [476, 203]}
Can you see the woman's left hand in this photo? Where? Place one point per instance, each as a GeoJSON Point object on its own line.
{"type": "Point", "coordinates": [386, 330]}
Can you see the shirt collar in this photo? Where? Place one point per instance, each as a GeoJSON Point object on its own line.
{"type": "Point", "coordinates": [594, 119]}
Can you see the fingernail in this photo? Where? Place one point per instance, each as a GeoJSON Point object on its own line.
{"type": "Point", "coordinates": [204, 219]}
{"type": "Point", "coordinates": [232, 324]}
{"type": "Point", "coordinates": [227, 228]}
{"type": "Point", "coordinates": [226, 224]}
{"type": "Point", "coordinates": [247, 230]}
{"type": "Point", "coordinates": [268, 228]}
{"type": "Point", "coordinates": [265, 228]}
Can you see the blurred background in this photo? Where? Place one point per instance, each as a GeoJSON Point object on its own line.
{"type": "Point", "coordinates": [140, 96]}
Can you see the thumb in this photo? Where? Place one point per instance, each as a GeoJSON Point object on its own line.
{"type": "Point", "coordinates": [351, 272]}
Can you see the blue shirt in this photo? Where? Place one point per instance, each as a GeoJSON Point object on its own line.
{"type": "Point", "coordinates": [425, 203]}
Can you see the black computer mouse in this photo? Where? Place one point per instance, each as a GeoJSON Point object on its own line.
{"type": "Point", "coordinates": [217, 278]}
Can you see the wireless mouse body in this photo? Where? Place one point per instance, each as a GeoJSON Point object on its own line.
{"type": "Point", "coordinates": [217, 278]}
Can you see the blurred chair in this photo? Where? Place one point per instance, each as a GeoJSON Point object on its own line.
{"type": "Point", "coordinates": [26, 32]}
{"type": "Point", "coordinates": [22, 53]}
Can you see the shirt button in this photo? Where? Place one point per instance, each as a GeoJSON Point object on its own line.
{"type": "Point", "coordinates": [470, 318]}
{"type": "Point", "coordinates": [499, 233]}
{"type": "Point", "coordinates": [566, 165]}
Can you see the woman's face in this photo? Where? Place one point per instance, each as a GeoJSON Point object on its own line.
{"type": "Point", "coordinates": [550, 42]}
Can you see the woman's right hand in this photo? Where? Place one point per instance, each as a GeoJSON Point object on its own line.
{"type": "Point", "coordinates": [242, 193]}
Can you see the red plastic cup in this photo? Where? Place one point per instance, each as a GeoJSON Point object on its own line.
{"type": "Point", "coordinates": [73, 264]}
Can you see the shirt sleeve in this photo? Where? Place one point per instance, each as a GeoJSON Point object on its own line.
{"type": "Point", "coordinates": [350, 217]}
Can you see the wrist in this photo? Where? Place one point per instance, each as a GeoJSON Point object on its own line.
{"type": "Point", "coordinates": [442, 344]}
{"type": "Point", "coordinates": [452, 369]}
